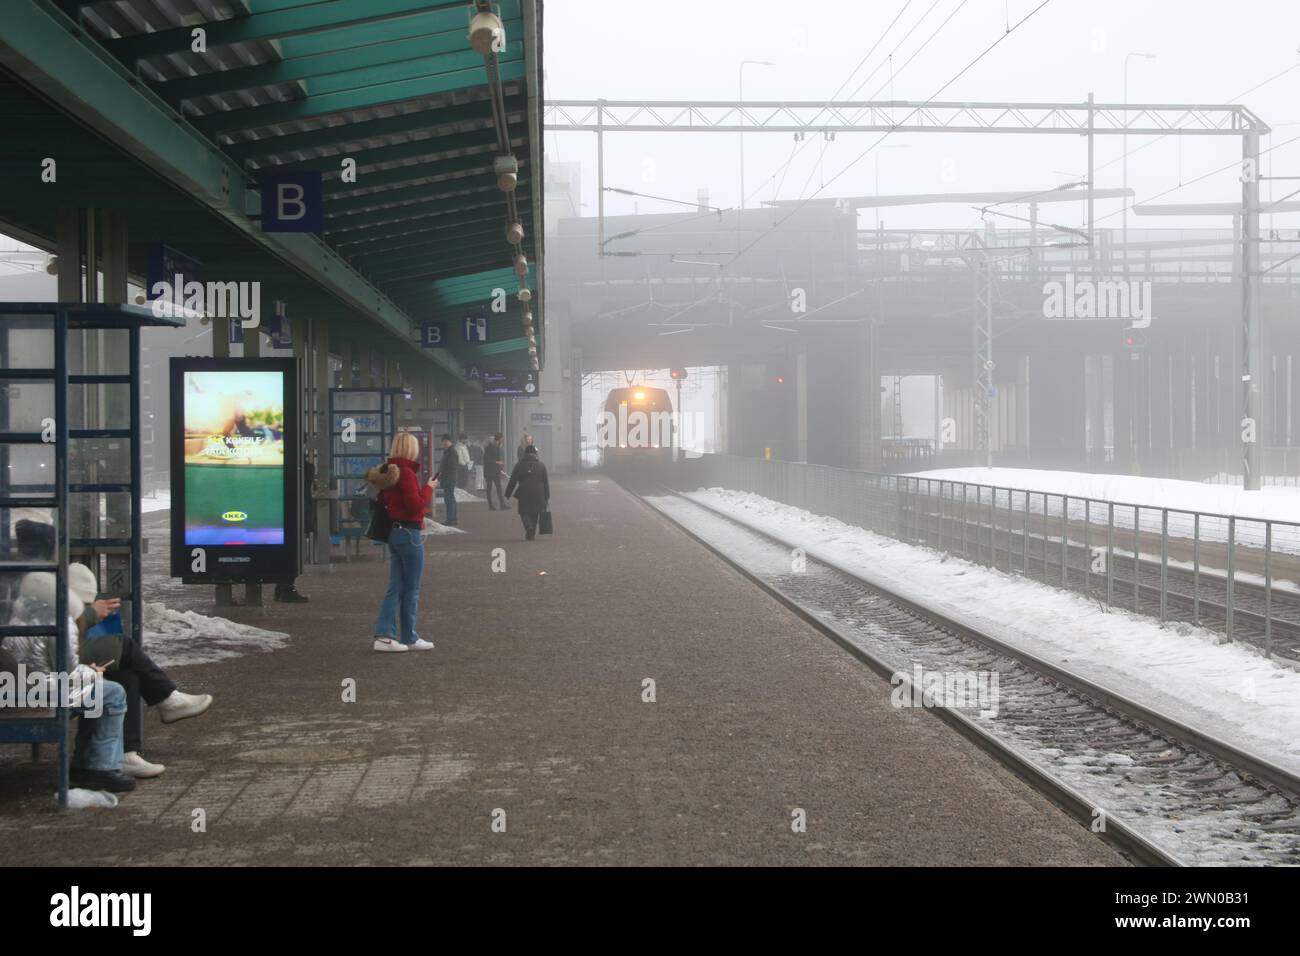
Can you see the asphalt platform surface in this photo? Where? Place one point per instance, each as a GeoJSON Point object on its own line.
{"type": "Point", "coordinates": [525, 736]}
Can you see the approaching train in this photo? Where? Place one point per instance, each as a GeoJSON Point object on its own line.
{"type": "Point", "coordinates": [635, 431]}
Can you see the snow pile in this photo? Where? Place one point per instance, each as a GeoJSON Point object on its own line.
{"type": "Point", "coordinates": [174, 638]}
{"type": "Point", "coordinates": [162, 502]}
{"type": "Point", "coordinates": [464, 494]}
{"type": "Point", "coordinates": [432, 527]}
{"type": "Point", "coordinates": [1226, 690]}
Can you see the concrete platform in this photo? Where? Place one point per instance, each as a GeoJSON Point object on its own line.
{"type": "Point", "coordinates": [532, 704]}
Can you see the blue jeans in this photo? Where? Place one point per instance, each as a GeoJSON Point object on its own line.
{"type": "Point", "coordinates": [402, 599]}
{"type": "Point", "coordinates": [449, 499]}
{"type": "Point", "coordinates": [99, 739]}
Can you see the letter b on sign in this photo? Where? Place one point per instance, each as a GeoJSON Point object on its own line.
{"type": "Point", "coordinates": [291, 201]}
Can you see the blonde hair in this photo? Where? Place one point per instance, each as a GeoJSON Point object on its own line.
{"type": "Point", "coordinates": [405, 445]}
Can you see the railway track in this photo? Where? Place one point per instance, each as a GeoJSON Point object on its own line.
{"type": "Point", "coordinates": [1164, 792]}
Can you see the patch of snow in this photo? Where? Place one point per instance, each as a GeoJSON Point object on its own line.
{"type": "Point", "coordinates": [162, 502]}
{"type": "Point", "coordinates": [1189, 673]}
{"type": "Point", "coordinates": [175, 638]}
{"type": "Point", "coordinates": [432, 527]}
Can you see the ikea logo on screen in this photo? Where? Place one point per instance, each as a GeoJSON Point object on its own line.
{"type": "Point", "coordinates": [234, 516]}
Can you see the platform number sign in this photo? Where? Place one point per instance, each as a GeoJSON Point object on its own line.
{"type": "Point", "coordinates": [473, 373]}
{"type": "Point", "coordinates": [433, 335]}
{"type": "Point", "coordinates": [292, 201]}
{"type": "Point", "coordinates": [476, 329]}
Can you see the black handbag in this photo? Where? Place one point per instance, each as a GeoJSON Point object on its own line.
{"type": "Point", "coordinates": [381, 522]}
{"type": "Point", "coordinates": [544, 523]}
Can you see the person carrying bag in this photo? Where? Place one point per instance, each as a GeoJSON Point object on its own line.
{"type": "Point", "coordinates": [531, 487]}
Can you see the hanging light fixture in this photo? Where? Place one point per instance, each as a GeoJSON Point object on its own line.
{"type": "Point", "coordinates": [486, 33]}
{"type": "Point", "coordinates": [507, 172]}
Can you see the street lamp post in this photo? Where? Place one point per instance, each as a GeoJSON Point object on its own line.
{"type": "Point", "coordinates": [740, 84]}
{"type": "Point", "coordinates": [1124, 149]}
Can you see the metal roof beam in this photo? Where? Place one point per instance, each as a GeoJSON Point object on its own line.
{"type": "Point", "coordinates": [437, 118]}
{"type": "Point", "coordinates": [71, 72]}
{"type": "Point", "coordinates": [467, 71]}
{"type": "Point", "coordinates": [352, 50]}
{"type": "Point", "coordinates": [295, 20]}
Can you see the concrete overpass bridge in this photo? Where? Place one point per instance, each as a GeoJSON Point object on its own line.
{"type": "Point", "coordinates": [839, 312]}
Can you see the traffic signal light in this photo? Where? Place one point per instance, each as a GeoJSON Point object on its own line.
{"type": "Point", "coordinates": [678, 374]}
{"type": "Point", "coordinates": [1134, 340]}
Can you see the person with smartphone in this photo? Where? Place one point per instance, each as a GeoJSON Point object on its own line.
{"type": "Point", "coordinates": [448, 468]}
{"type": "Point", "coordinates": [406, 501]}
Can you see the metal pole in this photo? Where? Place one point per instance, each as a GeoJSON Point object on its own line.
{"type": "Point", "coordinates": [1196, 568]}
{"type": "Point", "coordinates": [1164, 562]}
{"type": "Point", "coordinates": [1110, 553]}
{"type": "Point", "coordinates": [1268, 589]}
{"type": "Point", "coordinates": [1092, 238]}
{"type": "Point", "coordinates": [1232, 571]}
{"type": "Point", "coordinates": [600, 178]}
{"type": "Point", "coordinates": [1250, 309]}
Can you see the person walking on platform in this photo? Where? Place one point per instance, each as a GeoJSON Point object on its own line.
{"type": "Point", "coordinates": [464, 461]}
{"type": "Point", "coordinates": [476, 459]}
{"type": "Point", "coordinates": [494, 464]}
{"type": "Point", "coordinates": [447, 469]}
{"type": "Point", "coordinates": [524, 443]}
{"type": "Point", "coordinates": [531, 488]}
{"type": "Point", "coordinates": [406, 501]}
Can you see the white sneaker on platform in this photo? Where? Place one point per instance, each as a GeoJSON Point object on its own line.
{"type": "Point", "coordinates": [389, 645]}
{"type": "Point", "coordinates": [180, 705]}
{"type": "Point", "coordinates": [133, 765]}
{"type": "Point", "coordinates": [421, 645]}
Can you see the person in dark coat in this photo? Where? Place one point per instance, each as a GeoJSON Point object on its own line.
{"type": "Point", "coordinates": [494, 464]}
{"type": "Point", "coordinates": [448, 468]}
{"type": "Point", "coordinates": [531, 488]}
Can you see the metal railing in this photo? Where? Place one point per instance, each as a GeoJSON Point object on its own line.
{"type": "Point", "coordinates": [1239, 575]}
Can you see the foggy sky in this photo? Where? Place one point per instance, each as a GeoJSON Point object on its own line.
{"type": "Point", "coordinates": [1207, 52]}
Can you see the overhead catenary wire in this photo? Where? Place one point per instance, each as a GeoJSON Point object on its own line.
{"type": "Point", "coordinates": [958, 75]}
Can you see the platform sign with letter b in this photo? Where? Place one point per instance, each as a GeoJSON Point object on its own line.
{"type": "Point", "coordinates": [291, 201]}
{"type": "Point", "coordinates": [433, 335]}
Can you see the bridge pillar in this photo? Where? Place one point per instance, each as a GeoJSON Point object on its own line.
{"type": "Point", "coordinates": [1058, 413]}
{"type": "Point", "coordinates": [1123, 376]}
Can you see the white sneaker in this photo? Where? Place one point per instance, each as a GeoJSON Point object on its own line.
{"type": "Point", "coordinates": [133, 765]}
{"type": "Point", "coordinates": [180, 705]}
{"type": "Point", "coordinates": [421, 645]}
{"type": "Point", "coordinates": [388, 644]}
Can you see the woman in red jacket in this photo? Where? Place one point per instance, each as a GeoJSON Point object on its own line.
{"type": "Point", "coordinates": [407, 500]}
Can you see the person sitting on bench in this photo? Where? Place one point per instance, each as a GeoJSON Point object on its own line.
{"type": "Point", "coordinates": [144, 681]}
{"type": "Point", "coordinates": [101, 704]}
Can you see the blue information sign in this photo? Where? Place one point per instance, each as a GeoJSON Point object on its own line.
{"type": "Point", "coordinates": [476, 329]}
{"type": "Point", "coordinates": [433, 335]}
{"type": "Point", "coordinates": [292, 201]}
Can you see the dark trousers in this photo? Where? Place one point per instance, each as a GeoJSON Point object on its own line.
{"type": "Point", "coordinates": [494, 481]}
{"type": "Point", "coordinates": [529, 518]}
{"type": "Point", "coordinates": [145, 683]}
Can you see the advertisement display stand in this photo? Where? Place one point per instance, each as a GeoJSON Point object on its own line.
{"type": "Point", "coordinates": [236, 511]}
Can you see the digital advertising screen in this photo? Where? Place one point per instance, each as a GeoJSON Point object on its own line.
{"type": "Point", "coordinates": [235, 468]}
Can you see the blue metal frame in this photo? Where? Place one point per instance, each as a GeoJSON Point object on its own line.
{"type": "Point", "coordinates": [62, 319]}
{"type": "Point", "coordinates": [355, 527]}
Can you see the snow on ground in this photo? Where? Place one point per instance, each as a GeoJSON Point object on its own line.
{"type": "Point", "coordinates": [1226, 690]}
{"type": "Point", "coordinates": [174, 638]}
{"type": "Point", "coordinates": [161, 502]}
{"type": "Point", "coordinates": [432, 527]}
{"type": "Point", "coordinates": [1276, 503]}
